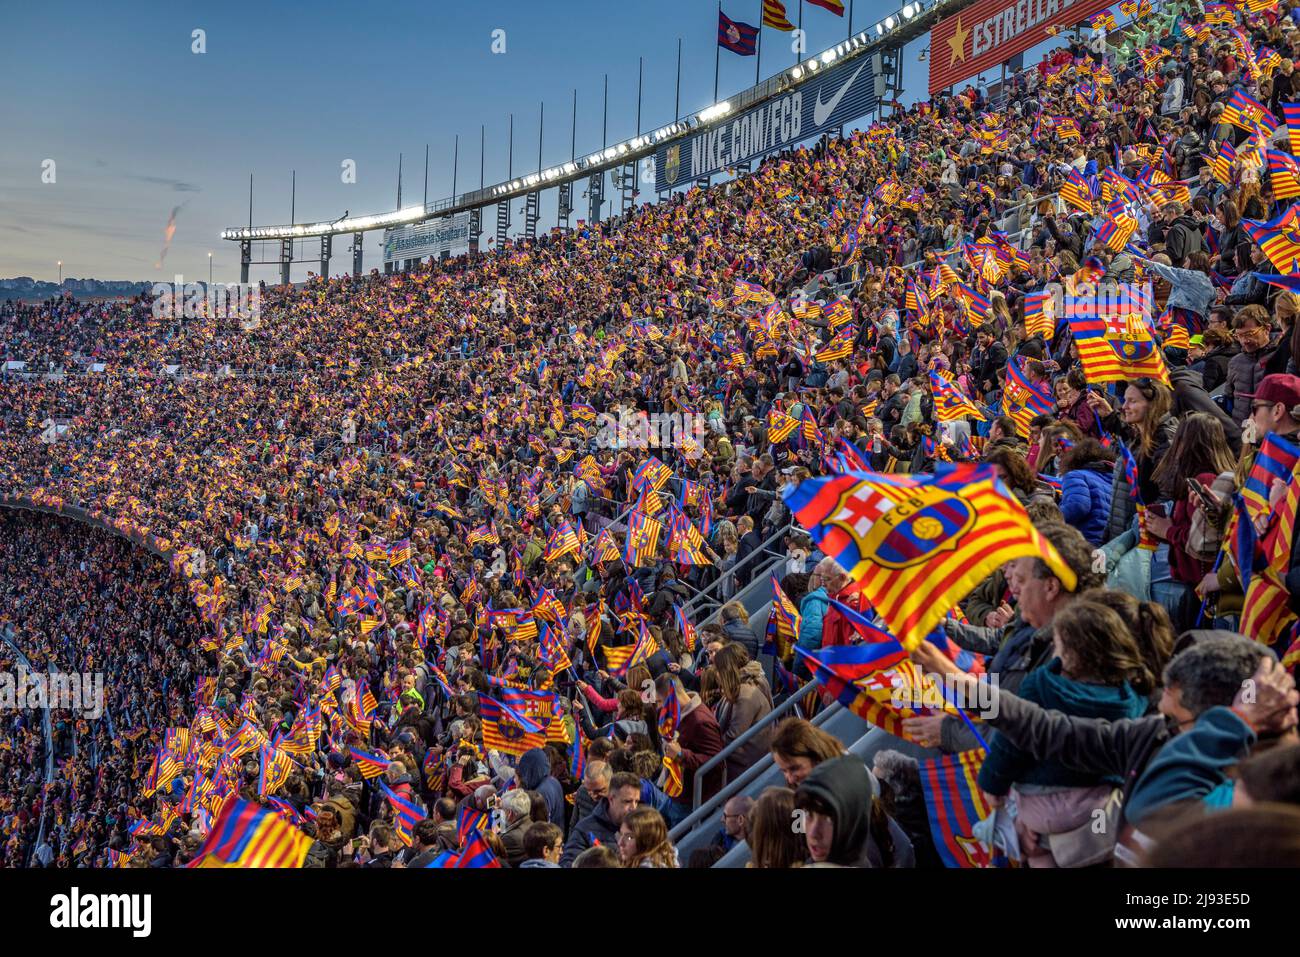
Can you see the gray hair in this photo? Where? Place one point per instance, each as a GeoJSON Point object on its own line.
{"type": "Point", "coordinates": [1211, 672]}
{"type": "Point", "coordinates": [517, 804]}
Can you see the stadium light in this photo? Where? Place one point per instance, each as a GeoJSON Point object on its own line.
{"type": "Point", "coordinates": [828, 57]}
{"type": "Point", "coordinates": [909, 11]}
{"type": "Point", "coordinates": [889, 23]}
{"type": "Point", "coordinates": [797, 72]}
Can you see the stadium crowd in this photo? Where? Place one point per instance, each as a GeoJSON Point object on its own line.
{"type": "Point", "coordinates": [430, 606]}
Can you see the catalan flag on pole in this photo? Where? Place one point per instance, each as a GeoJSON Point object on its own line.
{"type": "Point", "coordinates": [955, 804]}
{"type": "Point", "coordinates": [246, 835]}
{"type": "Point", "coordinates": [917, 544]}
{"type": "Point", "coordinates": [643, 534]}
{"type": "Point", "coordinates": [834, 6]}
{"type": "Point", "coordinates": [774, 16]}
{"type": "Point", "coordinates": [1040, 314]}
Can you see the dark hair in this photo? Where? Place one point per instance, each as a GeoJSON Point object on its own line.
{"type": "Point", "coordinates": [624, 779]}
{"type": "Point", "coordinates": [540, 836]}
{"type": "Point", "coordinates": [1146, 621]}
{"type": "Point", "coordinates": [1198, 446]}
{"type": "Point", "coordinates": [1272, 775]}
{"type": "Point", "coordinates": [1097, 647]}
{"type": "Point", "coordinates": [1019, 475]}
{"type": "Point", "coordinates": [1085, 450]}
{"type": "Point", "coordinates": [1267, 835]}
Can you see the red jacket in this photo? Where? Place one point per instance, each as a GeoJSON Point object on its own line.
{"type": "Point", "coordinates": [836, 629]}
{"type": "Point", "coordinates": [700, 739]}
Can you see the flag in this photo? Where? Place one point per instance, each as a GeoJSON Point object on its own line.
{"type": "Point", "coordinates": [1283, 174]}
{"type": "Point", "coordinates": [783, 623]}
{"type": "Point", "coordinates": [1291, 113]}
{"type": "Point", "coordinates": [1245, 112]}
{"type": "Point", "coordinates": [1279, 238]}
{"type": "Point", "coordinates": [949, 403]}
{"type": "Point", "coordinates": [774, 16]}
{"type": "Point", "coordinates": [834, 6]}
{"type": "Point", "coordinates": [477, 853]}
{"type": "Point", "coordinates": [916, 544]}
{"type": "Point", "coordinates": [469, 820]}
{"type": "Point", "coordinates": [246, 835]}
{"type": "Point", "coordinates": [563, 541]}
{"type": "Point", "coordinates": [739, 38]}
{"type": "Point", "coordinates": [670, 713]}
{"type": "Point", "coordinates": [876, 680]}
{"type": "Point", "coordinates": [643, 534]}
{"type": "Point", "coordinates": [955, 804]}
{"type": "Point", "coordinates": [685, 629]}
{"type": "Point", "coordinates": [505, 730]}
{"type": "Point", "coordinates": [1113, 335]}
{"type": "Point", "coordinates": [621, 659]}
{"type": "Point", "coordinates": [652, 474]}
{"type": "Point", "coordinates": [405, 814]}
{"type": "Point", "coordinates": [1040, 314]}
{"type": "Point", "coordinates": [1275, 460]}
{"type": "Point", "coordinates": [370, 765]}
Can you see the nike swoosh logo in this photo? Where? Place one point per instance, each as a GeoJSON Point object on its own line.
{"type": "Point", "coordinates": [822, 111]}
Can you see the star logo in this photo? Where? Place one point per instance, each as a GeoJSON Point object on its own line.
{"type": "Point", "coordinates": [957, 43]}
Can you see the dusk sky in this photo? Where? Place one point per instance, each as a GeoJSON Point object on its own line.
{"type": "Point", "coordinates": [138, 125]}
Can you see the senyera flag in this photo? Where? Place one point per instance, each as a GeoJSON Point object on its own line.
{"type": "Point", "coordinates": [246, 835]}
{"type": "Point", "coordinates": [917, 544]}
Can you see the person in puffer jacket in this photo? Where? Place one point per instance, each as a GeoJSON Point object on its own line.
{"type": "Point", "coordinates": [1087, 474]}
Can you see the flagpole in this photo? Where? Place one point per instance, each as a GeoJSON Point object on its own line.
{"type": "Point", "coordinates": [758, 46]}
{"type": "Point", "coordinates": [717, 57]}
{"type": "Point", "coordinates": [798, 47]}
{"type": "Point", "coordinates": [849, 35]}
{"type": "Point", "coordinates": [677, 98]}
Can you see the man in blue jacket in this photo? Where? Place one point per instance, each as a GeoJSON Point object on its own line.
{"type": "Point", "coordinates": [812, 608]}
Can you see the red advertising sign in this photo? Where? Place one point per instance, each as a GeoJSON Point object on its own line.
{"type": "Point", "coordinates": [993, 31]}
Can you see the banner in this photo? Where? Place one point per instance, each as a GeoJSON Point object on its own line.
{"type": "Point", "coordinates": [451, 233]}
{"type": "Point", "coordinates": [831, 99]}
{"type": "Point", "coordinates": [991, 32]}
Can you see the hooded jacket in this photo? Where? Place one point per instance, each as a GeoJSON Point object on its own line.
{"type": "Point", "coordinates": [843, 785]}
{"type": "Point", "coordinates": [534, 773]}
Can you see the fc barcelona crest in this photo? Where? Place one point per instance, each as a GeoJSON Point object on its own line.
{"type": "Point", "coordinates": [928, 521]}
{"type": "Point", "coordinates": [673, 164]}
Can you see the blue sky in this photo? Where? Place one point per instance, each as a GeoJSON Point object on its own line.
{"type": "Point", "coordinates": [138, 125]}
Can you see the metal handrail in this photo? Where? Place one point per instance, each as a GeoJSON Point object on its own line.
{"type": "Point", "coordinates": [784, 530]}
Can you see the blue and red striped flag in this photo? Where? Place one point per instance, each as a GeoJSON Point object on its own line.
{"type": "Point", "coordinates": [1275, 461]}
{"type": "Point", "coordinates": [405, 814]}
{"type": "Point", "coordinates": [370, 765]}
{"type": "Point", "coordinates": [740, 38]}
{"type": "Point", "coordinates": [955, 804]}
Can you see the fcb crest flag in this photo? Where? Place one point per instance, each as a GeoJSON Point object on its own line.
{"type": "Point", "coordinates": [739, 38]}
{"type": "Point", "coordinates": [246, 835]}
{"type": "Point", "coordinates": [955, 804]}
{"type": "Point", "coordinates": [917, 544]}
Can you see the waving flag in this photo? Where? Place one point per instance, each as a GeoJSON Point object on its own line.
{"type": "Point", "coordinates": [774, 16]}
{"type": "Point", "coordinates": [1079, 192]}
{"type": "Point", "coordinates": [783, 623]}
{"type": "Point", "coordinates": [477, 853]}
{"type": "Point", "coordinates": [1113, 336]}
{"type": "Point", "coordinates": [949, 403]}
{"type": "Point", "coordinates": [246, 835]}
{"type": "Point", "coordinates": [563, 541]}
{"type": "Point", "coordinates": [405, 814]}
{"type": "Point", "coordinates": [834, 6]}
{"type": "Point", "coordinates": [1284, 174]}
{"type": "Point", "coordinates": [1040, 314]}
{"type": "Point", "coordinates": [370, 765]}
{"type": "Point", "coordinates": [1275, 461]}
{"type": "Point", "coordinates": [916, 544]}
{"type": "Point", "coordinates": [1246, 113]}
{"type": "Point", "coordinates": [780, 426]}
{"type": "Point", "coordinates": [643, 534]}
{"type": "Point", "coordinates": [739, 38]}
{"type": "Point", "coordinates": [1279, 238]}
{"type": "Point", "coordinates": [955, 804]}
{"type": "Point", "coordinates": [619, 660]}
{"type": "Point", "coordinates": [505, 730]}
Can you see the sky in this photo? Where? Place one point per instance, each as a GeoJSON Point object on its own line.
{"type": "Point", "coordinates": [135, 129]}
